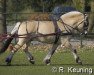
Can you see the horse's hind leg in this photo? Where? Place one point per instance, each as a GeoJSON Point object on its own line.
{"type": "Point", "coordinates": [15, 49]}
{"type": "Point", "coordinates": [29, 55]}
{"type": "Point", "coordinates": [50, 53]}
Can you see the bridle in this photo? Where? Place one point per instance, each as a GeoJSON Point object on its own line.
{"type": "Point", "coordinates": [86, 24]}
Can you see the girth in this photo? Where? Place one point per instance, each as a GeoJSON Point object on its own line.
{"type": "Point", "coordinates": [57, 30]}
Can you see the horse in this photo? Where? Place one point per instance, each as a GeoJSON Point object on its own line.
{"type": "Point", "coordinates": [45, 31]}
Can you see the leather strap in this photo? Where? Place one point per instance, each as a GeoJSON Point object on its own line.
{"type": "Point", "coordinates": [57, 30]}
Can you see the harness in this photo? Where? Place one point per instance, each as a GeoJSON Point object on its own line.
{"type": "Point", "coordinates": [58, 32]}
{"type": "Point", "coordinates": [67, 26]}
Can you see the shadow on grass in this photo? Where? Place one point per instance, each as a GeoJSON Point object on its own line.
{"type": "Point", "coordinates": [72, 65]}
{"type": "Point", "coordinates": [47, 65]}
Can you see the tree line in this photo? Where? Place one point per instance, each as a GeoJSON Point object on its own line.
{"type": "Point", "coordinates": [35, 5]}
{"type": "Point", "coordinates": [42, 6]}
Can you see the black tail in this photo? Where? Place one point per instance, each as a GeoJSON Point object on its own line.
{"type": "Point", "coordinates": [6, 44]}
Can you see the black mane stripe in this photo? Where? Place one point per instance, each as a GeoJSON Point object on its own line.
{"type": "Point", "coordinates": [60, 10]}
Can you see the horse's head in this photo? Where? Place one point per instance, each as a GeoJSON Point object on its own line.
{"type": "Point", "coordinates": [83, 25]}
{"type": "Point", "coordinates": [75, 21]}
{"type": "Point", "coordinates": [86, 24]}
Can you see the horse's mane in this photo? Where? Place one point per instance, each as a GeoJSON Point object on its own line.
{"type": "Point", "coordinates": [71, 14]}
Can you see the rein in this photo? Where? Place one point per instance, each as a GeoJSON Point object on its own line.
{"type": "Point", "coordinates": [66, 26]}
{"type": "Point", "coordinates": [58, 32]}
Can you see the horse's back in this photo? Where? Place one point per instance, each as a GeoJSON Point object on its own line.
{"type": "Point", "coordinates": [43, 27]}
{"type": "Point", "coordinates": [27, 27]}
{"type": "Point", "coordinates": [46, 27]}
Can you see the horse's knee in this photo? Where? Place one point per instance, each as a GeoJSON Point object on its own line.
{"type": "Point", "coordinates": [24, 47]}
{"type": "Point", "coordinates": [16, 47]}
{"type": "Point", "coordinates": [66, 45]}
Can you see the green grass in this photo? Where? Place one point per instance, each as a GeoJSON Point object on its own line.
{"type": "Point", "coordinates": [21, 66]}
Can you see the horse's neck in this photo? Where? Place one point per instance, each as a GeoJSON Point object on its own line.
{"type": "Point", "coordinates": [72, 21]}
{"type": "Point", "coordinates": [66, 26]}
{"type": "Point", "coordinates": [61, 26]}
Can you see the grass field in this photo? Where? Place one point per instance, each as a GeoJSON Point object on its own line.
{"type": "Point", "coordinates": [20, 65]}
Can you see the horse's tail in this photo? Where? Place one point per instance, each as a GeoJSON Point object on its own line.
{"type": "Point", "coordinates": [10, 38]}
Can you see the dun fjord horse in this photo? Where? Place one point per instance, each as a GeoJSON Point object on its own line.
{"type": "Point", "coordinates": [45, 31]}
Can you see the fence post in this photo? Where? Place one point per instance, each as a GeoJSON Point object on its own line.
{"type": "Point", "coordinates": [81, 41]}
{"type": "Point", "coordinates": [4, 16]}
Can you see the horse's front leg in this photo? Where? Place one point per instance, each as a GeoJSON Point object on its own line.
{"type": "Point", "coordinates": [47, 59]}
{"type": "Point", "coordinates": [66, 42]}
{"type": "Point", "coordinates": [74, 52]}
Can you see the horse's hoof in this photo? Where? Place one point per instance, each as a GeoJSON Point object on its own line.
{"type": "Point", "coordinates": [47, 61]}
{"type": "Point", "coordinates": [32, 61]}
{"type": "Point", "coordinates": [8, 61]}
{"type": "Point", "coordinates": [8, 64]}
{"type": "Point", "coordinates": [78, 61]}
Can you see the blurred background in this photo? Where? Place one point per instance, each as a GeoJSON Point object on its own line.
{"type": "Point", "coordinates": [12, 11]}
{"type": "Point", "coordinates": [22, 9]}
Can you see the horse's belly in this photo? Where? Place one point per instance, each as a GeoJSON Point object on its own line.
{"type": "Point", "coordinates": [46, 39]}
